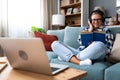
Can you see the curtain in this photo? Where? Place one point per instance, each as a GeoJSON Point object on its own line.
{"type": "Point", "coordinates": [50, 8]}
{"type": "Point", "coordinates": [17, 16]}
{"type": "Point", "coordinates": [3, 18]}
{"type": "Point", "coordinates": [22, 15]}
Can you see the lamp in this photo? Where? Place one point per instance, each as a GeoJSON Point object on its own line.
{"type": "Point", "coordinates": [58, 19]}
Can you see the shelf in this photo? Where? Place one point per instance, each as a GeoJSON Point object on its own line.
{"type": "Point", "coordinates": [72, 14]}
{"type": "Point", "coordinates": [75, 25]}
{"type": "Point", "coordinates": [71, 5]}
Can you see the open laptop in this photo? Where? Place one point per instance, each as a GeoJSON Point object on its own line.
{"type": "Point", "coordinates": [29, 54]}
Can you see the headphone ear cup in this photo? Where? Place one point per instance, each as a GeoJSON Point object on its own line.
{"type": "Point", "coordinates": [90, 20]}
{"type": "Point", "coordinates": [103, 19]}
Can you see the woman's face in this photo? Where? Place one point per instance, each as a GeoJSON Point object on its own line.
{"type": "Point", "coordinates": [96, 20]}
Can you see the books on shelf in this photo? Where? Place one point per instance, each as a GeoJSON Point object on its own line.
{"type": "Point", "coordinates": [88, 37]}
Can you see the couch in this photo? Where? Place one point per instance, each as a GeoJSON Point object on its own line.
{"type": "Point", "coordinates": [100, 70]}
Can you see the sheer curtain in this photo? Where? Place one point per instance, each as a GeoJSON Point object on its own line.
{"type": "Point", "coordinates": [3, 17]}
{"type": "Point", "coordinates": [22, 14]}
{"type": "Point", "coordinates": [50, 8]}
{"type": "Point", "coordinates": [17, 16]}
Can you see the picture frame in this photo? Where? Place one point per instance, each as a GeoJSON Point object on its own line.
{"type": "Point", "coordinates": [117, 3]}
{"type": "Point", "coordinates": [69, 11]}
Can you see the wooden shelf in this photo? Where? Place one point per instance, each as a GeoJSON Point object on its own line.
{"type": "Point", "coordinates": [71, 5]}
{"type": "Point", "coordinates": [73, 14]}
{"type": "Point", "coordinates": [75, 25]}
{"type": "Point", "coordinates": [71, 18]}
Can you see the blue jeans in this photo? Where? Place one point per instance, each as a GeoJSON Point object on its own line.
{"type": "Point", "coordinates": [96, 50]}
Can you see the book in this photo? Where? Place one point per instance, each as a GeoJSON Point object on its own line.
{"type": "Point", "coordinates": [88, 37]}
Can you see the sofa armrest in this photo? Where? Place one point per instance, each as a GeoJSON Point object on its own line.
{"type": "Point", "coordinates": [58, 33]}
{"type": "Point", "coordinates": [113, 72]}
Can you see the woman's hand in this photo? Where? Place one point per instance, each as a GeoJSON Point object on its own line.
{"type": "Point", "coordinates": [90, 26]}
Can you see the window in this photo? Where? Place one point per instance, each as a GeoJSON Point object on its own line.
{"type": "Point", "coordinates": [17, 16]}
{"type": "Point", "coordinates": [22, 14]}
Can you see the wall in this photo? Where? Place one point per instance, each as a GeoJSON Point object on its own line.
{"type": "Point", "coordinates": [109, 5]}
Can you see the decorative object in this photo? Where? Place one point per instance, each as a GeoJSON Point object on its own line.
{"type": "Point", "coordinates": [75, 10]}
{"type": "Point", "coordinates": [111, 21]}
{"type": "Point", "coordinates": [107, 20]}
{"type": "Point", "coordinates": [69, 11]}
{"type": "Point", "coordinates": [116, 21]}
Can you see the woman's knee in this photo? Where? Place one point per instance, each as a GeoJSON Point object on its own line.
{"type": "Point", "coordinates": [100, 47]}
{"type": "Point", "coordinates": [55, 44]}
{"type": "Point", "coordinates": [99, 44]}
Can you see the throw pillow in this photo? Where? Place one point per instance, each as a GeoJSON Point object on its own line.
{"type": "Point", "coordinates": [115, 53]}
{"type": "Point", "coordinates": [47, 39]}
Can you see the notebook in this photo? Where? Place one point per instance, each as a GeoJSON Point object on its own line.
{"type": "Point", "coordinates": [29, 54]}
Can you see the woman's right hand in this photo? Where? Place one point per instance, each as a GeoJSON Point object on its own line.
{"type": "Point", "coordinates": [90, 26]}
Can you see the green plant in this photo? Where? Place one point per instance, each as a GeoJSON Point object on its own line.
{"type": "Point", "coordinates": [34, 28]}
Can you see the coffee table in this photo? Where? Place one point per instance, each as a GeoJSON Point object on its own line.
{"type": "Point", "coordinates": [12, 74]}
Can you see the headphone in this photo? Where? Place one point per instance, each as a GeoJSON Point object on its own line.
{"type": "Point", "coordinates": [97, 12]}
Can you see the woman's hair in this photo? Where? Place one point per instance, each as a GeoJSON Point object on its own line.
{"type": "Point", "coordinates": [98, 12]}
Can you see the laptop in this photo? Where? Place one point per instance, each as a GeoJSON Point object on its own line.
{"type": "Point", "coordinates": [29, 54]}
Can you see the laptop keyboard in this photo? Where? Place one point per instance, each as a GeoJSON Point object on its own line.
{"type": "Point", "coordinates": [54, 69]}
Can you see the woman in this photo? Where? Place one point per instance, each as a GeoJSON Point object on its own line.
{"type": "Point", "coordinates": [95, 50]}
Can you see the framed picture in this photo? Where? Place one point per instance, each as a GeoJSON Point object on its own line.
{"type": "Point", "coordinates": [117, 3]}
{"type": "Point", "coordinates": [69, 11]}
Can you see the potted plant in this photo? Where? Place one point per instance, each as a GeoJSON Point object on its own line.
{"type": "Point", "coordinates": [34, 28]}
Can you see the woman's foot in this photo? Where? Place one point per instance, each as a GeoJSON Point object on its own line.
{"type": "Point", "coordinates": [86, 62]}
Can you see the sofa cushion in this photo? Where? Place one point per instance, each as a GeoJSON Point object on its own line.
{"type": "Point", "coordinates": [51, 55]}
{"type": "Point", "coordinates": [58, 33]}
{"type": "Point", "coordinates": [71, 35]}
{"type": "Point", "coordinates": [47, 39]}
{"type": "Point", "coordinates": [113, 72]}
{"type": "Point", "coordinates": [97, 67]}
{"type": "Point", "coordinates": [114, 30]}
{"type": "Point", "coordinates": [115, 53]}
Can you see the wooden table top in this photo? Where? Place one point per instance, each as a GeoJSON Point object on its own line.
{"type": "Point", "coordinates": [8, 73]}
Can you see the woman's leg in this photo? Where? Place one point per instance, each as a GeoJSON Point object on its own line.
{"type": "Point", "coordinates": [67, 53]}
{"type": "Point", "coordinates": [94, 51]}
